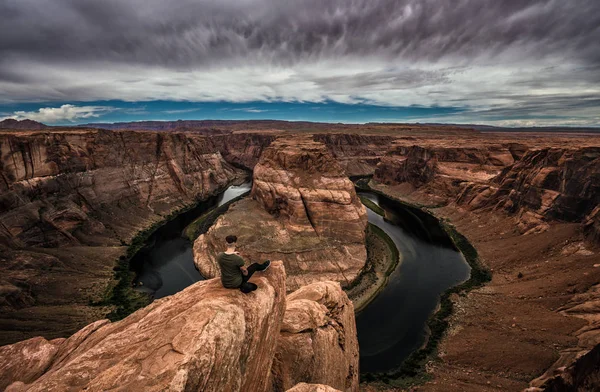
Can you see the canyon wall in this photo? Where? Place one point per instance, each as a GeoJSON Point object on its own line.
{"type": "Point", "coordinates": [537, 186]}
{"type": "Point", "coordinates": [552, 184]}
{"type": "Point", "coordinates": [532, 211]}
{"type": "Point", "coordinates": [357, 154]}
{"type": "Point", "coordinates": [303, 210]}
{"type": "Point", "coordinates": [204, 338]}
{"type": "Point", "coordinates": [72, 201]}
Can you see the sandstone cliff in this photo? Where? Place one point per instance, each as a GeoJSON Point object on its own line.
{"type": "Point", "coordinates": [318, 341]}
{"type": "Point", "coordinates": [545, 185]}
{"type": "Point", "coordinates": [204, 338]}
{"type": "Point", "coordinates": [303, 210]}
{"type": "Point", "coordinates": [537, 186]}
{"type": "Point", "coordinates": [70, 203]}
{"type": "Point", "coordinates": [357, 154]}
{"type": "Point", "coordinates": [435, 174]}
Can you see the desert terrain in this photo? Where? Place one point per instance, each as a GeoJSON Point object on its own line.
{"type": "Point", "coordinates": [75, 201]}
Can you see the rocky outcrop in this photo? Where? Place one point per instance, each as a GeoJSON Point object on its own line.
{"type": "Point", "coordinates": [357, 154]}
{"type": "Point", "coordinates": [303, 387]}
{"type": "Point", "coordinates": [298, 180]}
{"type": "Point", "coordinates": [243, 149]}
{"type": "Point", "coordinates": [582, 375]}
{"type": "Point", "coordinates": [549, 184]}
{"type": "Point", "coordinates": [71, 202]}
{"type": "Point", "coordinates": [303, 210]}
{"type": "Point", "coordinates": [417, 167]}
{"type": "Point", "coordinates": [318, 341]}
{"type": "Point", "coordinates": [205, 338]}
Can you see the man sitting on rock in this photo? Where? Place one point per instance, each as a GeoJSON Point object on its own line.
{"type": "Point", "coordinates": [233, 272]}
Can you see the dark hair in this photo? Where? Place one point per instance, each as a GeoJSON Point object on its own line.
{"type": "Point", "coordinates": [231, 239]}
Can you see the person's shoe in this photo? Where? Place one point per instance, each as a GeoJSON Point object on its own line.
{"type": "Point", "coordinates": [265, 265]}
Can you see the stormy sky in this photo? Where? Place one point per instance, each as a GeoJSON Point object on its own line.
{"type": "Point", "coordinates": [500, 62]}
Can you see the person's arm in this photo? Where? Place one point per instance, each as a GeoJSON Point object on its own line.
{"type": "Point", "coordinates": [241, 265]}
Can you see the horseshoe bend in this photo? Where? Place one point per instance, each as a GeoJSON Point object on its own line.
{"type": "Point", "coordinates": [421, 257]}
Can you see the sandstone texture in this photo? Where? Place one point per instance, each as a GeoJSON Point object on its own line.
{"type": "Point", "coordinates": [357, 154]}
{"type": "Point", "coordinates": [303, 210]}
{"type": "Point", "coordinates": [70, 203]}
{"type": "Point", "coordinates": [582, 375]}
{"type": "Point", "coordinates": [544, 185]}
{"type": "Point", "coordinates": [303, 387]}
{"type": "Point", "coordinates": [205, 338]}
{"type": "Point", "coordinates": [318, 341]}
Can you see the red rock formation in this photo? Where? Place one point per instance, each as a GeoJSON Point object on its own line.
{"type": "Point", "coordinates": [357, 154]}
{"type": "Point", "coordinates": [243, 149]}
{"type": "Point", "coordinates": [545, 185]}
{"type": "Point", "coordinates": [417, 167]}
{"type": "Point", "coordinates": [70, 202]}
{"type": "Point", "coordinates": [205, 338]}
{"type": "Point", "coordinates": [297, 179]}
{"type": "Point", "coordinates": [303, 387]}
{"type": "Point", "coordinates": [318, 341]}
{"type": "Point", "coordinates": [305, 212]}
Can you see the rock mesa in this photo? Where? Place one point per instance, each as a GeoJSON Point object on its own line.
{"type": "Point", "coordinates": [303, 210]}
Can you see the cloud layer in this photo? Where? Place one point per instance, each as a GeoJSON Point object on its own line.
{"type": "Point", "coordinates": [529, 58]}
{"type": "Point", "coordinates": [61, 114]}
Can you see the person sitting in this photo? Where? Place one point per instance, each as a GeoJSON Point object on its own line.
{"type": "Point", "coordinates": [234, 274]}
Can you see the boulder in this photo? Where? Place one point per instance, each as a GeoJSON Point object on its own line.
{"type": "Point", "coordinates": [318, 342]}
{"type": "Point", "coordinates": [204, 338]}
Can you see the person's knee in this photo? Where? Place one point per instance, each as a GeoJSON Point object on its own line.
{"type": "Point", "coordinates": [248, 287]}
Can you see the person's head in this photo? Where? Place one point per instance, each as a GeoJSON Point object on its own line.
{"type": "Point", "coordinates": [231, 240]}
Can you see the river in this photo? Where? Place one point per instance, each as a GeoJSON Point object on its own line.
{"type": "Point", "coordinates": [394, 325]}
{"type": "Point", "coordinates": [166, 265]}
{"type": "Point", "coordinates": [390, 327]}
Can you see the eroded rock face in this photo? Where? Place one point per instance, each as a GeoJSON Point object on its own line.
{"type": "Point", "coordinates": [318, 341]}
{"type": "Point", "coordinates": [357, 154]}
{"type": "Point", "coordinates": [303, 387]}
{"type": "Point", "coordinates": [417, 167]}
{"type": "Point", "coordinates": [205, 338]}
{"type": "Point", "coordinates": [582, 375]}
{"type": "Point", "coordinates": [545, 185]}
{"type": "Point", "coordinates": [298, 180]}
{"type": "Point", "coordinates": [303, 211]}
{"type": "Point", "coordinates": [70, 202]}
{"type": "Point", "coordinates": [437, 174]}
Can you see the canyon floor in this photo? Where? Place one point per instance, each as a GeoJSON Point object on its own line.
{"type": "Point", "coordinates": [510, 331]}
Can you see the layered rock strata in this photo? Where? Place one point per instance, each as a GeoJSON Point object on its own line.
{"type": "Point", "coordinates": [545, 185]}
{"type": "Point", "coordinates": [71, 202]}
{"type": "Point", "coordinates": [304, 387]}
{"type": "Point", "coordinates": [318, 341]}
{"type": "Point", "coordinates": [530, 223]}
{"type": "Point", "coordinates": [357, 154]}
{"type": "Point", "coordinates": [303, 210]}
{"type": "Point", "coordinates": [436, 174]}
{"type": "Point", "coordinates": [205, 338]}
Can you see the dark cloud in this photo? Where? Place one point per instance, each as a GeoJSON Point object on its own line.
{"type": "Point", "coordinates": [491, 56]}
{"type": "Point", "coordinates": [190, 33]}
